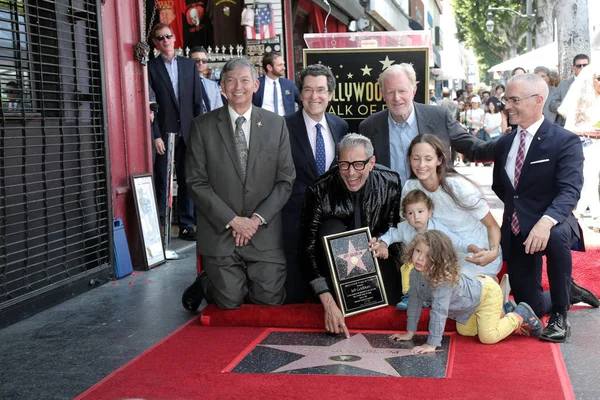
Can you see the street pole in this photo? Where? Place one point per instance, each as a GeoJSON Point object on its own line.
{"type": "Point", "coordinates": [529, 14]}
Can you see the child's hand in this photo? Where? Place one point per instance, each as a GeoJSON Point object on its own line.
{"type": "Point", "coordinates": [402, 336]}
{"type": "Point", "coordinates": [379, 249]}
{"type": "Point", "coordinates": [426, 348]}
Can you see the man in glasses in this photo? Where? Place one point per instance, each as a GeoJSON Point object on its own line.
{"type": "Point", "coordinates": [178, 92]}
{"type": "Point", "coordinates": [580, 61]}
{"type": "Point", "coordinates": [314, 135]}
{"type": "Point", "coordinates": [538, 174]}
{"type": "Point", "coordinates": [353, 194]}
{"type": "Point", "coordinates": [211, 95]}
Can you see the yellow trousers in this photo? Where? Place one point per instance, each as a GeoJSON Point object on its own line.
{"type": "Point", "coordinates": [405, 274]}
{"type": "Point", "coordinates": [487, 321]}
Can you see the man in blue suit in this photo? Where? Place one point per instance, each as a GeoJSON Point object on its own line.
{"type": "Point", "coordinates": [178, 92]}
{"type": "Point", "coordinates": [211, 99]}
{"type": "Point", "coordinates": [538, 173]}
{"type": "Point", "coordinates": [276, 93]}
{"type": "Point", "coordinates": [314, 135]}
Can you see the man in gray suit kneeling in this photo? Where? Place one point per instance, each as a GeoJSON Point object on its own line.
{"type": "Point", "coordinates": [240, 174]}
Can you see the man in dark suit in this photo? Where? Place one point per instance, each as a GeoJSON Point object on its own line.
{"type": "Point", "coordinates": [392, 129]}
{"type": "Point", "coordinates": [240, 173]}
{"type": "Point", "coordinates": [275, 93]}
{"type": "Point", "coordinates": [314, 135]}
{"type": "Point", "coordinates": [178, 91]}
{"type": "Point", "coordinates": [538, 173]}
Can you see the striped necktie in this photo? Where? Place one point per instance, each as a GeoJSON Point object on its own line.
{"type": "Point", "coordinates": [514, 222]}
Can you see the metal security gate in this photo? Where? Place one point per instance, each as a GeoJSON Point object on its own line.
{"type": "Point", "coordinates": [54, 203]}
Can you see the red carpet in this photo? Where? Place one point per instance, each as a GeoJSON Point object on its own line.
{"type": "Point", "coordinates": [188, 365]}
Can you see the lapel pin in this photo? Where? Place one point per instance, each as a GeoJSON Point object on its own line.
{"type": "Point", "coordinates": [259, 123]}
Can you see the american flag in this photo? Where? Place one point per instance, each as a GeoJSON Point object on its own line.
{"type": "Point", "coordinates": [263, 25]}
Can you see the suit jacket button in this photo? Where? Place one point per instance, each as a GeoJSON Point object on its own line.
{"type": "Point", "coordinates": [515, 197]}
{"type": "Point", "coordinates": [245, 192]}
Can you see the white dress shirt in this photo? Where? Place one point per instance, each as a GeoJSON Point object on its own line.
{"type": "Point", "coordinates": [311, 129]}
{"type": "Point", "coordinates": [511, 159]}
{"type": "Point", "coordinates": [268, 103]}
{"type": "Point", "coordinates": [512, 154]}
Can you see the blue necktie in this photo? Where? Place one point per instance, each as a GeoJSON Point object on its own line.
{"type": "Point", "coordinates": [320, 152]}
{"type": "Point", "coordinates": [275, 100]}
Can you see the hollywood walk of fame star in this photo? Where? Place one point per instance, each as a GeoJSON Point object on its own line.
{"type": "Point", "coordinates": [366, 70]}
{"type": "Point", "coordinates": [354, 258]}
{"type": "Point", "coordinates": [350, 75]}
{"type": "Point", "coordinates": [355, 352]}
{"type": "Point", "coordinates": [386, 63]}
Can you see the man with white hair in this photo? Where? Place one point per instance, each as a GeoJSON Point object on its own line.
{"type": "Point", "coordinates": [392, 129]}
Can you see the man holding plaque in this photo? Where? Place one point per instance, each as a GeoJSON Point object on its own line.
{"type": "Point", "coordinates": [392, 129]}
{"type": "Point", "coordinates": [353, 194]}
{"type": "Point", "coordinates": [314, 135]}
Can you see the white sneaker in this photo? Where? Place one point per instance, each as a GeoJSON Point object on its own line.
{"type": "Point", "coordinates": [505, 287]}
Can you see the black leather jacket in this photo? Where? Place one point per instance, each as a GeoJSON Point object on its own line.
{"type": "Point", "coordinates": [329, 197]}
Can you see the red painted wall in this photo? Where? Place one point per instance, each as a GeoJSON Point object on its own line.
{"type": "Point", "coordinates": [128, 116]}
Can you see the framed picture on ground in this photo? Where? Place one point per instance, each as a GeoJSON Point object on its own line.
{"type": "Point", "coordinates": [147, 215]}
{"type": "Point", "coordinates": [354, 271]}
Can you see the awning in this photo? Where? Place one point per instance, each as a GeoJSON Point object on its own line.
{"type": "Point", "coordinates": [546, 56]}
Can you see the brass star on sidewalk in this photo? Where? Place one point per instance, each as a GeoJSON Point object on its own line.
{"type": "Point", "coordinates": [386, 63]}
{"type": "Point", "coordinates": [366, 70]}
{"type": "Point", "coordinates": [355, 352]}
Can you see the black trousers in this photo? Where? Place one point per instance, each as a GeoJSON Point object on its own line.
{"type": "Point", "coordinates": [525, 271]}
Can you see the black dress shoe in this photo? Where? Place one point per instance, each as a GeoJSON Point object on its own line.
{"type": "Point", "coordinates": [580, 294]}
{"type": "Point", "coordinates": [187, 234]}
{"type": "Point", "coordinates": [558, 329]}
{"type": "Point", "coordinates": [193, 296]}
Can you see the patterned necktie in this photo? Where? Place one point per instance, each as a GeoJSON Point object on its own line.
{"type": "Point", "coordinates": [514, 222]}
{"type": "Point", "coordinates": [320, 152]}
{"type": "Point", "coordinates": [275, 99]}
{"type": "Point", "coordinates": [240, 143]}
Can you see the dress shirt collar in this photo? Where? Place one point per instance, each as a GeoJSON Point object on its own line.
{"type": "Point", "coordinates": [270, 81]}
{"type": "Point", "coordinates": [234, 115]}
{"type": "Point", "coordinates": [411, 120]}
{"type": "Point", "coordinates": [312, 123]}
{"type": "Point", "coordinates": [166, 59]}
{"type": "Point", "coordinates": [533, 128]}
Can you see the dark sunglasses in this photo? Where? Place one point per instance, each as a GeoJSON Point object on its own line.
{"type": "Point", "coordinates": [160, 38]}
{"type": "Point", "coordinates": [580, 65]}
{"type": "Point", "coordinates": [200, 60]}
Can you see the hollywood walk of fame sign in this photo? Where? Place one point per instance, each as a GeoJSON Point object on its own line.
{"type": "Point", "coordinates": [357, 94]}
{"type": "Point", "coordinates": [354, 272]}
{"type": "Point", "coordinates": [281, 351]}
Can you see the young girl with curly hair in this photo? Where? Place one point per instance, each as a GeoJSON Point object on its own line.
{"type": "Point", "coordinates": [475, 303]}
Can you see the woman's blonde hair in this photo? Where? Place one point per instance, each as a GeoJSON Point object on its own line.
{"type": "Point", "coordinates": [443, 257]}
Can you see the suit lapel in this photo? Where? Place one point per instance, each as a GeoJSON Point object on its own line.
{"type": "Point", "coordinates": [301, 136]}
{"type": "Point", "coordinates": [257, 132]}
{"type": "Point", "coordinates": [226, 131]}
{"type": "Point", "coordinates": [424, 125]}
{"type": "Point", "coordinates": [506, 150]}
{"type": "Point", "coordinates": [534, 147]}
{"type": "Point", "coordinates": [382, 140]}
{"type": "Point", "coordinates": [164, 74]}
{"type": "Point", "coordinates": [181, 81]}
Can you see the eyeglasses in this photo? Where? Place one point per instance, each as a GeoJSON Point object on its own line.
{"type": "Point", "coordinates": [517, 100]}
{"type": "Point", "coordinates": [597, 78]}
{"type": "Point", "coordinates": [320, 91]}
{"type": "Point", "coordinates": [357, 165]}
{"type": "Point", "coordinates": [200, 60]}
{"type": "Point", "coordinates": [160, 38]}
{"type": "Point", "coordinates": [580, 65]}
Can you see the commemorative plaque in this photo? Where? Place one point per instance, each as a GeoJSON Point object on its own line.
{"type": "Point", "coordinates": [354, 271]}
